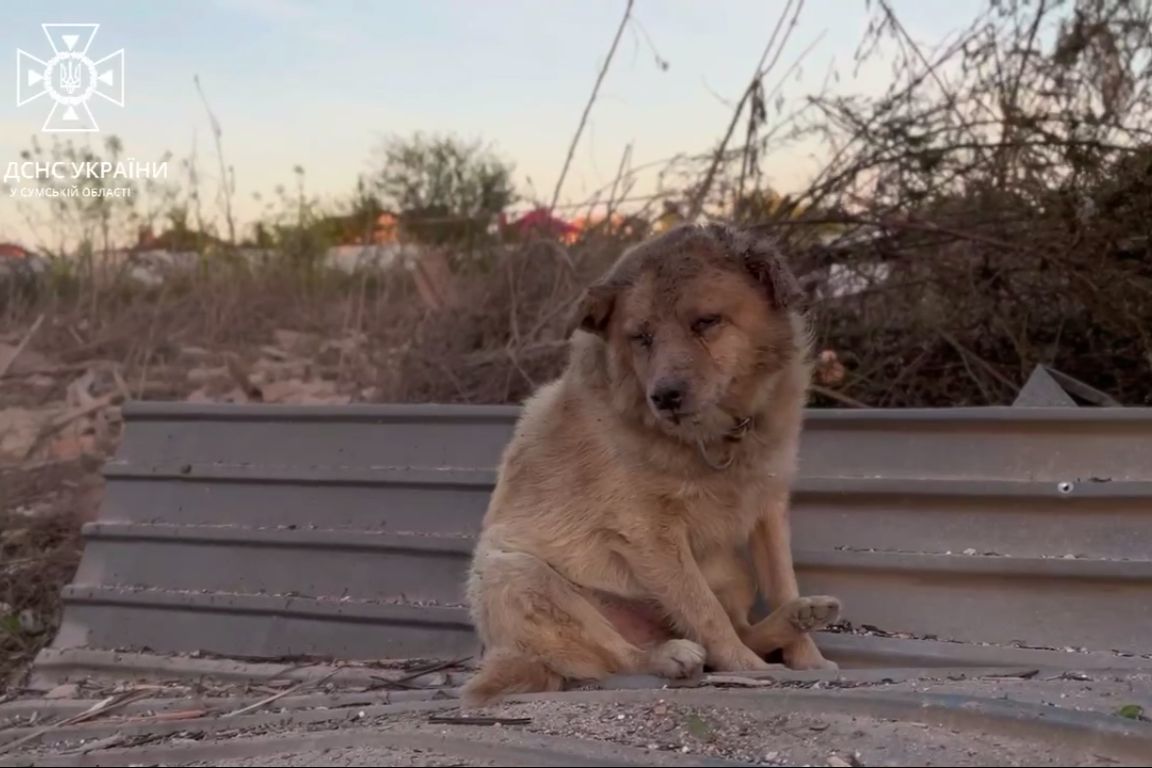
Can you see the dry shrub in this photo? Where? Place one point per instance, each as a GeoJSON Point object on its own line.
{"type": "Point", "coordinates": [506, 333]}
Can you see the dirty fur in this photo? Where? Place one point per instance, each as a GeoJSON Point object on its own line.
{"type": "Point", "coordinates": [638, 483]}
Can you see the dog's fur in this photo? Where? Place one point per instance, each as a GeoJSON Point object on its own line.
{"type": "Point", "coordinates": [615, 540]}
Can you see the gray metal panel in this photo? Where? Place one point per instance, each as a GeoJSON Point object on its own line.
{"type": "Point", "coordinates": [1020, 518]}
{"type": "Point", "coordinates": [255, 626]}
{"type": "Point", "coordinates": [1011, 448]}
{"type": "Point", "coordinates": [269, 530]}
{"type": "Point", "coordinates": [1006, 443]}
{"type": "Point", "coordinates": [1015, 599]}
{"type": "Point", "coordinates": [1042, 391]}
{"type": "Point", "coordinates": [300, 436]}
{"type": "Point", "coordinates": [358, 565]}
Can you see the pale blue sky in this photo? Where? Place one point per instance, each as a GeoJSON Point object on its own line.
{"type": "Point", "coordinates": [318, 83]}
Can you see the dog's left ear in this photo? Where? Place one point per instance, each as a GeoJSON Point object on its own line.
{"type": "Point", "coordinates": [761, 257]}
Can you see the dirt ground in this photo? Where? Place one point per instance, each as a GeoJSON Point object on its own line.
{"type": "Point", "coordinates": [914, 718]}
{"type": "Point", "coordinates": [60, 420]}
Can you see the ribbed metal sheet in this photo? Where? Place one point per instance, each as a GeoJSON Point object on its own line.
{"type": "Point", "coordinates": [265, 531]}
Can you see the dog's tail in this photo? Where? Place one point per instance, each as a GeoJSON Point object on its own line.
{"type": "Point", "coordinates": [505, 672]}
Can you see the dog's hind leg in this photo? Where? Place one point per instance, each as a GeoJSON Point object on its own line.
{"type": "Point", "coordinates": [541, 630]}
{"type": "Point", "coordinates": [503, 672]}
{"type": "Point", "coordinates": [771, 546]}
{"type": "Point", "coordinates": [732, 580]}
{"type": "Point", "coordinates": [790, 623]}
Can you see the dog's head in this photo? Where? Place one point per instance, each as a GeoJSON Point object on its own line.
{"type": "Point", "coordinates": [697, 324]}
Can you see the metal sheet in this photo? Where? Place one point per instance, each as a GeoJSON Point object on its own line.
{"type": "Point", "coordinates": [265, 531]}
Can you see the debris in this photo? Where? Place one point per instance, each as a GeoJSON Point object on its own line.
{"type": "Point", "coordinates": [477, 720]}
{"type": "Point", "coordinates": [407, 680]}
{"type": "Point", "coordinates": [168, 717]}
{"type": "Point", "coordinates": [239, 375]}
{"type": "Point", "coordinates": [296, 343]}
{"type": "Point", "coordinates": [97, 744]}
{"type": "Point", "coordinates": [202, 376]}
{"type": "Point", "coordinates": [9, 359]}
{"type": "Point", "coordinates": [103, 707]}
{"type": "Point", "coordinates": [1023, 674]}
{"type": "Point", "coordinates": [20, 428]}
{"type": "Point", "coordinates": [736, 681]}
{"type": "Point", "coordinates": [1132, 712]}
{"type": "Point", "coordinates": [699, 727]}
{"type": "Point", "coordinates": [316, 392]}
{"type": "Point", "coordinates": [90, 406]}
{"type": "Point", "coordinates": [29, 364]}
{"type": "Point", "coordinates": [65, 691]}
{"type": "Point", "coordinates": [277, 696]}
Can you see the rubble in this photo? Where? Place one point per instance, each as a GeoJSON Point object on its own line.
{"type": "Point", "coordinates": [60, 420]}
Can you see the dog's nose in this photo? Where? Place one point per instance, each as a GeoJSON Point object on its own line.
{"type": "Point", "coordinates": [668, 396]}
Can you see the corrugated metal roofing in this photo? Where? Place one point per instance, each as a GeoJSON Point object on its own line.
{"type": "Point", "coordinates": [269, 531]}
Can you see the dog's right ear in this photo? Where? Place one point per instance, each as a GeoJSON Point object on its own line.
{"type": "Point", "coordinates": [594, 309]}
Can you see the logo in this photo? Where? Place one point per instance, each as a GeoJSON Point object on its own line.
{"type": "Point", "coordinates": [70, 77]}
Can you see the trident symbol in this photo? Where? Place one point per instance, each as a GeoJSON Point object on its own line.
{"type": "Point", "coordinates": [70, 76]}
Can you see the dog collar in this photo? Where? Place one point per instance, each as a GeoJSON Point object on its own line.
{"type": "Point", "coordinates": [734, 435]}
{"type": "Point", "coordinates": [737, 433]}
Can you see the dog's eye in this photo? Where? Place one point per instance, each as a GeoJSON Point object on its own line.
{"type": "Point", "coordinates": [705, 322]}
{"type": "Point", "coordinates": [643, 338]}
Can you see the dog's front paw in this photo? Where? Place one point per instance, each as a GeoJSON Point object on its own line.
{"type": "Point", "coordinates": [677, 659]}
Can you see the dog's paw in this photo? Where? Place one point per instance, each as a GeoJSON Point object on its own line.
{"type": "Point", "coordinates": [678, 659]}
{"type": "Point", "coordinates": [805, 655]}
{"type": "Point", "coordinates": [742, 659]}
{"type": "Point", "coordinates": [810, 613]}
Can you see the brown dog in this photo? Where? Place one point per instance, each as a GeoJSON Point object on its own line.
{"type": "Point", "coordinates": [615, 540]}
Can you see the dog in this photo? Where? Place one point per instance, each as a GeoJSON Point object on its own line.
{"type": "Point", "coordinates": [638, 484]}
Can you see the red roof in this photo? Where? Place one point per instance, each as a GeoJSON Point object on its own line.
{"type": "Point", "coordinates": [13, 251]}
{"type": "Point", "coordinates": [541, 221]}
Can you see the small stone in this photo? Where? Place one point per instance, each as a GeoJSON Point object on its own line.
{"type": "Point", "coordinates": [29, 622]}
{"type": "Point", "coordinates": [835, 761]}
{"type": "Point", "coordinates": [970, 551]}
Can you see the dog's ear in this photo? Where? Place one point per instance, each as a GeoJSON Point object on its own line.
{"type": "Point", "coordinates": [594, 309]}
{"type": "Point", "coordinates": [760, 256]}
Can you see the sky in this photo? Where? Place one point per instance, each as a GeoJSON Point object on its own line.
{"type": "Point", "coordinates": [319, 83]}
